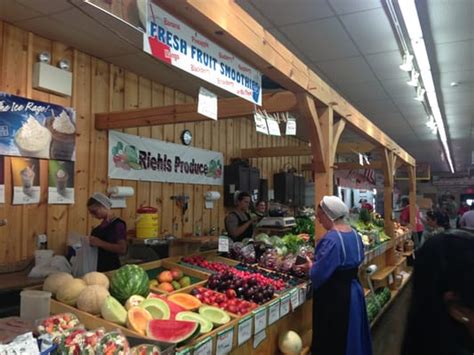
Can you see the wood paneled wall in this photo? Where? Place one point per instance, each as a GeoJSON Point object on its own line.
{"type": "Point", "coordinates": [98, 87]}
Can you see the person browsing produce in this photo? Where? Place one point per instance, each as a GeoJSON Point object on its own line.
{"type": "Point", "coordinates": [340, 323]}
{"type": "Point", "coordinates": [239, 223]}
{"type": "Point", "coordinates": [110, 236]}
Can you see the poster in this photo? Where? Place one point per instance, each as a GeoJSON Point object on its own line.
{"type": "Point", "coordinates": [26, 181]}
{"type": "Point", "coordinates": [144, 159]}
{"type": "Point", "coordinates": [60, 182]}
{"type": "Point", "coordinates": [2, 179]}
{"type": "Point", "coordinates": [36, 129]}
{"type": "Point", "coordinates": [172, 41]}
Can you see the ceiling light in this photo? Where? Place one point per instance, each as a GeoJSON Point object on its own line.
{"type": "Point", "coordinates": [454, 84]}
{"type": "Point", "coordinates": [420, 94]}
{"type": "Point", "coordinates": [407, 64]}
{"type": "Point", "coordinates": [410, 17]}
{"type": "Point", "coordinates": [414, 78]}
{"type": "Point", "coordinates": [44, 57]}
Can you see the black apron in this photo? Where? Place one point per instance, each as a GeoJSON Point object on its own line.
{"type": "Point", "coordinates": [331, 306]}
{"type": "Point", "coordinates": [106, 260]}
{"type": "Point", "coordinates": [248, 233]}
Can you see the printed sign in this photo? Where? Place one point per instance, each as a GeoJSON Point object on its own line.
{"type": "Point", "coordinates": [260, 320]}
{"type": "Point", "coordinates": [2, 179]}
{"type": "Point", "coordinates": [136, 158]}
{"type": "Point", "coordinates": [225, 341]}
{"type": "Point", "coordinates": [60, 182]}
{"type": "Point", "coordinates": [273, 126]}
{"type": "Point", "coordinates": [204, 347]}
{"type": "Point", "coordinates": [173, 42]}
{"type": "Point", "coordinates": [244, 330]}
{"type": "Point", "coordinates": [36, 129]}
{"type": "Point", "coordinates": [258, 338]}
{"type": "Point", "coordinates": [285, 305]}
{"type": "Point", "coordinates": [273, 312]}
{"type": "Point", "coordinates": [290, 127]}
{"type": "Point", "coordinates": [207, 103]}
{"type": "Point", "coordinates": [260, 123]}
{"type": "Point", "coordinates": [26, 181]}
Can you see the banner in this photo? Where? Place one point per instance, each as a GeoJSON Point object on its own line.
{"type": "Point", "coordinates": [177, 44]}
{"type": "Point", "coordinates": [136, 158]}
{"type": "Point", "coordinates": [36, 129]}
{"type": "Point", "coordinates": [60, 182]}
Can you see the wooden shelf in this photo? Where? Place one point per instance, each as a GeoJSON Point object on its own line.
{"type": "Point", "coordinates": [383, 273]}
{"type": "Point", "coordinates": [401, 261]}
{"type": "Point", "coordinates": [392, 299]}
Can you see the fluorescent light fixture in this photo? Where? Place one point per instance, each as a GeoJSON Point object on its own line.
{"type": "Point", "coordinates": [410, 17]}
{"type": "Point", "coordinates": [407, 64]}
{"type": "Point", "coordinates": [414, 78]}
{"type": "Point", "coordinates": [419, 49]}
{"type": "Point", "coordinates": [420, 94]}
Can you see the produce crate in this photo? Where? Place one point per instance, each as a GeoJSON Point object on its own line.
{"type": "Point", "coordinates": [211, 256]}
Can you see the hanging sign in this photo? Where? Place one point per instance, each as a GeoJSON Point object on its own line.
{"type": "Point", "coordinates": [60, 182]}
{"type": "Point", "coordinates": [290, 127]}
{"type": "Point", "coordinates": [273, 126]}
{"type": "Point", "coordinates": [207, 103]}
{"type": "Point", "coordinates": [136, 158]}
{"type": "Point", "coordinates": [260, 123]}
{"type": "Point", "coordinates": [26, 181]}
{"type": "Point", "coordinates": [177, 44]}
{"type": "Point", "coordinates": [36, 129]}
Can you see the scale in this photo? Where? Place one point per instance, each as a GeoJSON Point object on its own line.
{"type": "Point", "coordinates": [277, 222]}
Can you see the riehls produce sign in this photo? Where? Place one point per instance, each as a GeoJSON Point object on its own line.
{"type": "Point", "coordinates": [175, 43]}
{"type": "Point", "coordinates": [137, 158]}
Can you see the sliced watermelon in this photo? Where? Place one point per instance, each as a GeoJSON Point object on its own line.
{"type": "Point", "coordinates": [174, 308]}
{"type": "Point", "coordinates": [172, 331]}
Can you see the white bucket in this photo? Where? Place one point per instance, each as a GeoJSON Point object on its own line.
{"type": "Point", "coordinates": [43, 257]}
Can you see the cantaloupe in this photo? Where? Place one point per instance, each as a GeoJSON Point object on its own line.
{"type": "Point", "coordinates": [134, 301]}
{"type": "Point", "coordinates": [96, 278]}
{"type": "Point", "coordinates": [137, 319]}
{"type": "Point", "coordinates": [55, 281]}
{"type": "Point", "coordinates": [91, 299]}
{"type": "Point", "coordinates": [185, 300]}
{"type": "Point", "coordinates": [70, 291]}
{"type": "Point", "coordinates": [290, 343]}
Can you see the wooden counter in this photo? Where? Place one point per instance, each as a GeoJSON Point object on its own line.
{"type": "Point", "coordinates": [18, 281]}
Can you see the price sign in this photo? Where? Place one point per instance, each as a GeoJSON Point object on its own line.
{"type": "Point", "coordinates": [273, 127]}
{"type": "Point", "coordinates": [244, 330]}
{"type": "Point", "coordinates": [302, 295]}
{"type": "Point", "coordinates": [273, 312]}
{"type": "Point", "coordinates": [225, 341]}
{"type": "Point", "coordinates": [258, 338]}
{"type": "Point", "coordinates": [207, 103]}
{"type": "Point", "coordinates": [294, 299]}
{"type": "Point", "coordinates": [260, 320]}
{"type": "Point", "coordinates": [204, 347]}
{"type": "Point", "coordinates": [184, 352]}
{"type": "Point", "coordinates": [223, 246]}
{"type": "Point", "coordinates": [285, 305]}
{"type": "Point", "coordinates": [291, 127]}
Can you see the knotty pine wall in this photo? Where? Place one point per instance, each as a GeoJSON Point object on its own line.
{"type": "Point", "coordinates": [98, 87]}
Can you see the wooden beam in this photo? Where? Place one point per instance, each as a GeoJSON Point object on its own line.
{"type": "Point", "coordinates": [388, 168]}
{"type": "Point", "coordinates": [362, 147]}
{"type": "Point", "coordinates": [338, 129]}
{"type": "Point", "coordinates": [375, 165]}
{"type": "Point", "coordinates": [246, 37]}
{"type": "Point", "coordinates": [181, 113]}
{"type": "Point", "coordinates": [412, 195]}
{"type": "Point", "coordinates": [272, 152]}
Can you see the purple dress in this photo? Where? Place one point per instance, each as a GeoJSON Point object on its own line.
{"type": "Point", "coordinates": [110, 232]}
{"type": "Point", "coordinates": [340, 323]}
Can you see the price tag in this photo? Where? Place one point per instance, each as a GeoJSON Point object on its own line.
{"type": "Point", "coordinates": [225, 340]}
{"type": "Point", "coordinates": [223, 246]}
{"type": "Point", "coordinates": [260, 320]}
{"type": "Point", "coordinates": [290, 127]}
{"type": "Point", "coordinates": [284, 305]}
{"type": "Point", "coordinates": [273, 312]}
{"type": "Point", "coordinates": [258, 338]}
{"type": "Point", "coordinates": [294, 299]}
{"type": "Point", "coordinates": [204, 347]}
{"type": "Point", "coordinates": [273, 126]}
{"type": "Point", "coordinates": [245, 330]}
{"type": "Point", "coordinates": [184, 352]}
{"type": "Point", "coordinates": [302, 295]}
{"type": "Point", "coordinates": [260, 123]}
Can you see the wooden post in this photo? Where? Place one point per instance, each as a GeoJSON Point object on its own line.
{"type": "Point", "coordinates": [412, 195]}
{"type": "Point", "coordinates": [388, 169]}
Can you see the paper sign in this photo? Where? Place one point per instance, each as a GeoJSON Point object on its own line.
{"type": "Point", "coordinates": [207, 103]}
{"type": "Point", "coordinates": [258, 338]}
{"type": "Point", "coordinates": [225, 341]}
{"type": "Point", "coordinates": [26, 180]}
{"type": "Point", "coordinates": [284, 305]}
{"type": "Point", "coordinates": [260, 320]}
{"type": "Point", "coordinates": [302, 295]}
{"type": "Point", "coordinates": [290, 127]}
{"type": "Point", "coordinates": [244, 330]}
{"type": "Point", "coordinates": [273, 312]}
{"type": "Point", "coordinates": [273, 127]}
{"type": "Point", "coordinates": [204, 347]}
{"type": "Point", "coordinates": [294, 296]}
{"type": "Point", "coordinates": [223, 246]}
{"type": "Point", "coordinates": [260, 123]}
{"type": "Point", "coordinates": [60, 182]}
{"type": "Point", "coordinates": [361, 159]}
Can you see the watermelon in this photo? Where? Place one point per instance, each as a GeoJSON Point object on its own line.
{"type": "Point", "coordinates": [127, 281]}
{"type": "Point", "coordinates": [172, 331]}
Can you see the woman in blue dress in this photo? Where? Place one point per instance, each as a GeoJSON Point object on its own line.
{"type": "Point", "coordinates": [340, 324]}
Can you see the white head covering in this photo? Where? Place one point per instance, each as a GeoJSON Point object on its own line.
{"type": "Point", "coordinates": [333, 207]}
{"type": "Point", "coordinates": [102, 199]}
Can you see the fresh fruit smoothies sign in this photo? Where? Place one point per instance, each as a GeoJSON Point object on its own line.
{"type": "Point", "coordinates": [175, 43]}
{"type": "Point", "coordinates": [137, 158]}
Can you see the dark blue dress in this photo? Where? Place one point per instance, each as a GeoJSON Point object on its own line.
{"type": "Point", "coordinates": [339, 304]}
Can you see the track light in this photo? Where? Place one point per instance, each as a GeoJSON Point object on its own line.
{"type": "Point", "coordinates": [414, 78]}
{"type": "Point", "coordinates": [407, 64]}
{"type": "Point", "coordinates": [420, 94]}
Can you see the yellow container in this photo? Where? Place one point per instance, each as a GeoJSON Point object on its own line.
{"type": "Point", "coordinates": [147, 224]}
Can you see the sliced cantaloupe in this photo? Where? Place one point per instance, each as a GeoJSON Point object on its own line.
{"type": "Point", "coordinates": [137, 319]}
{"type": "Point", "coordinates": [186, 301]}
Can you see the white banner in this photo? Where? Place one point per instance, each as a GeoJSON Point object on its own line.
{"type": "Point", "coordinates": [137, 158]}
{"type": "Point", "coordinates": [177, 44]}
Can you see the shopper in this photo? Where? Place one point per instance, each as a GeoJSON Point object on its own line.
{"type": "Point", "coordinates": [405, 219]}
{"type": "Point", "coordinates": [239, 223]}
{"type": "Point", "coordinates": [340, 324]}
{"type": "Point", "coordinates": [261, 209]}
{"type": "Point", "coordinates": [467, 219]}
{"type": "Point", "coordinates": [110, 236]}
{"type": "Point", "coordinates": [436, 222]}
{"type": "Point", "coordinates": [441, 316]}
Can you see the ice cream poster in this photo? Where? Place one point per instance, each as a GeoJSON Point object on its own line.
{"type": "Point", "coordinates": [26, 181]}
{"type": "Point", "coordinates": [60, 182]}
{"type": "Point", "coordinates": [2, 179]}
{"type": "Point", "coordinates": [36, 129]}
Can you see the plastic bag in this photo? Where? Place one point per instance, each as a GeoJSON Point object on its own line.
{"type": "Point", "coordinates": [58, 264]}
{"type": "Point", "coordinates": [85, 259]}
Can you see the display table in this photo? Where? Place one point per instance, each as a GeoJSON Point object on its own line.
{"type": "Point", "coordinates": [17, 281]}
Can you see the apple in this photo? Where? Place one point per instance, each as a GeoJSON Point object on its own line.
{"type": "Point", "coordinates": [230, 293]}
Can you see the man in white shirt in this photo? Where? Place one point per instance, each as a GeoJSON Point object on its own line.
{"type": "Point", "coordinates": [467, 219]}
